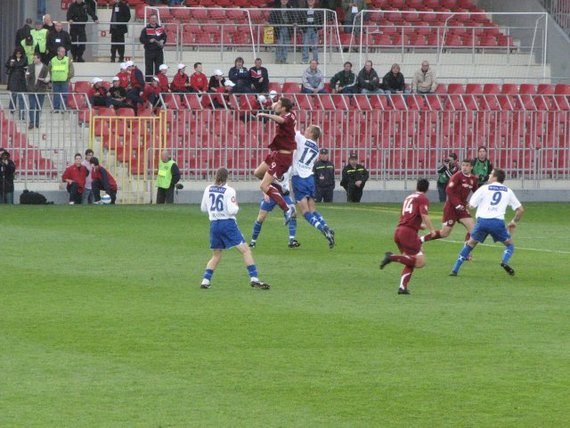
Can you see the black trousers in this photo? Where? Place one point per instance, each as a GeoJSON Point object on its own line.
{"type": "Point", "coordinates": [152, 61]}
{"type": "Point", "coordinates": [324, 194]}
{"type": "Point", "coordinates": [74, 195]}
{"type": "Point", "coordinates": [117, 45]}
{"type": "Point", "coordinates": [97, 186]}
{"type": "Point", "coordinates": [165, 196]}
{"type": "Point", "coordinates": [78, 39]}
{"type": "Point", "coordinates": [353, 193]}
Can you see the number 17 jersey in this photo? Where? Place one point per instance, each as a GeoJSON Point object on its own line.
{"type": "Point", "coordinates": [305, 156]}
{"type": "Point", "coordinates": [413, 207]}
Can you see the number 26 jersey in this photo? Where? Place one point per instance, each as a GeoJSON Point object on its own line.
{"type": "Point", "coordinates": [220, 202]}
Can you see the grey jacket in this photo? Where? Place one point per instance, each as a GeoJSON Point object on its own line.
{"type": "Point", "coordinates": [312, 80]}
{"type": "Point", "coordinates": [39, 86]}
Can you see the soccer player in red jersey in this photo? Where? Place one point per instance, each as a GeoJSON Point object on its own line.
{"type": "Point", "coordinates": [455, 210]}
{"type": "Point", "coordinates": [278, 162]}
{"type": "Point", "coordinates": [414, 213]}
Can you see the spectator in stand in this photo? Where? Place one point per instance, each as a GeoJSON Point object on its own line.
{"type": "Point", "coordinates": [7, 172]}
{"type": "Point", "coordinates": [344, 82]}
{"type": "Point", "coordinates": [118, 95]}
{"type": "Point", "coordinates": [482, 166]}
{"type": "Point", "coordinates": [259, 77]}
{"type": "Point", "coordinates": [124, 76]}
{"type": "Point", "coordinates": [445, 171]}
{"type": "Point", "coordinates": [23, 31]}
{"type": "Point", "coordinates": [198, 80]}
{"type": "Point", "coordinates": [102, 180]}
{"type": "Point", "coordinates": [87, 195]}
{"type": "Point", "coordinates": [16, 68]}
{"type": "Point", "coordinates": [136, 85]}
{"type": "Point", "coordinates": [324, 177]}
{"type": "Point", "coordinates": [313, 81]}
{"type": "Point", "coordinates": [217, 84]}
{"type": "Point", "coordinates": [354, 177]}
{"type": "Point", "coordinates": [77, 16]}
{"type": "Point", "coordinates": [312, 21]}
{"type": "Point", "coordinates": [351, 11]}
{"type": "Point", "coordinates": [121, 13]}
{"type": "Point", "coordinates": [98, 95]}
{"type": "Point", "coordinates": [368, 80]}
{"type": "Point", "coordinates": [37, 80]}
{"type": "Point", "coordinates": [424, 80]}
{"type": "Point", "coordinates": [163, 78]}
{"type": "Point", "coordinates": [394, 82]}
{"type": "Point", "coordinates": [151, 93]}
{"type": "Point", "coordinates": [48, 23]}
{"type": "Point", "coordinates": [168, 176]}
{"type": "Point", "coordinates": [56, 38]}
{"type": "Point", "coordinates": [240, 76]}
{"type": "Point", "coordinates": [75, 176]}
{"type": "Point", "coordinates": [181, 81]}
{"type": "Point", "coordinates": [39, 35]}
{"type": "Point", "coordinates": [29, 48]}
{"type": "Point", "coordinates": [61, 72]}
{"type": "Point", "coordinates": [153, 37]}
{"type": "Point", "coordinates": [282, 20]}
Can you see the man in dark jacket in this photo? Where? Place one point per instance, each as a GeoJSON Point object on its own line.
{"type": "Point", "coordinates": [24, 31]}
{"type": "Point", "coordinates": [344, 82]}
{"type": "Point", "coordinates": [282, 19]}
{"type": "Point", "coordinates": [259, 77]}
{"type": "Point", "coordinates": [324, 177]}
{"type": "Point", "coordinates": [7, 171]}
{"type": "Point", "coordinates": [121, 13]}
{"type": "Point", "coordinates": [368, 81]}
{"type": "Point", "coordinates": [77, 16]}
{"type": "Point", "coordinates": [153, 37]}
{"type": "Point", "coordinates": [102, 180]}
{"type": "Point", "coordinates": [58, 37]}
{"type": "Point", "coordinates": [354, 177]}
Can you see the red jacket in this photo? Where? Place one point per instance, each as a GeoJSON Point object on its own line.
{"type": "Point", "coordinates": [149, 90]}
{"type": "Point", "coordinates": [163, 82]}
{"type": "Point", "coordinates": [77, 175]}
{"type": "Point", "coordinates": [124, 79]}
{"type": "Point", "coordinates": [107, 181]}
{"type": "Point", "coordinates": [199, 82]}
{"type": "Point", "coordinates": [179, 83]}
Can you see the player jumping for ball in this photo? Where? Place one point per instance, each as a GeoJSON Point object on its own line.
{"type": "Point", "coordinates": [278, 162]}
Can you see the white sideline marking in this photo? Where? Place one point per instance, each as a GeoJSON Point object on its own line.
{"type": "Point", "coordinates": [542, 250]}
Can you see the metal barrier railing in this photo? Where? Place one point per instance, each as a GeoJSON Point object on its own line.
{"type": "Point", "coordinates": [560, 11]}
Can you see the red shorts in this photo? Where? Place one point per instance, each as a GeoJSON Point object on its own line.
{"type": "Point", "coordinates": [279, 163]}
{"type": "Point", "coordinates": [452, 216]}
{"type": "Point", "coordinates": [407, 240]}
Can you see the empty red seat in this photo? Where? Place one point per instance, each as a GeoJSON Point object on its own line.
{"type": "Point", "coordinates": [291, 88]}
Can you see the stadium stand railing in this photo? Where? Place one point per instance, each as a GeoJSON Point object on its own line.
{"type": "Point", "coordinates": [560, 11]}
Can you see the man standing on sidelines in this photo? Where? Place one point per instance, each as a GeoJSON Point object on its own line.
{"type": "Point", "coordinates": [491, 201]}
{"type": "Point", "coordinates": [168, 176]}
{"type": "Point", "coordinates": [278, 162]}
{"type": "Point", "coordinates": [414, 213]}
{"type": "Point", "coordinates": [220, 202]}
{"type": "Point", "coordinates": [153, 37]}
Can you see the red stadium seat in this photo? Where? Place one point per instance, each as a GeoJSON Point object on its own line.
{"type": "Point", "coordinates": [291, 88]}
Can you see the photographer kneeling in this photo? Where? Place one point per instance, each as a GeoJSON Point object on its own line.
{"type": "Point", "coordinates": [446, 170]}
{"type": "Point", "coordinates": [7, 171]}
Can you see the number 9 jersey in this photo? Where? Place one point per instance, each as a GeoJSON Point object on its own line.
{"type": "Point", "coordinates": [220, 202]}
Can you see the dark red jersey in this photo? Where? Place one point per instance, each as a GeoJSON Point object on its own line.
{"type": "Point", "coordinates": [124, 79]}
{"type": "Point", "coordinates": [199, 82]}
{"type": "Point", "coordinates": [414, 206]}
{"type": "Point", "coordinates": [459, 187]}
{"type": "Point", "coordinates": [285, 136]}
{"type": "Point", "coordinates": [107, 181]}
{"type": "Point", "coordinates": [77, 175]}
{"type": "Point", "coordinates": [162, 82]}
{"type": "Point", "coordinates": [149, 90]}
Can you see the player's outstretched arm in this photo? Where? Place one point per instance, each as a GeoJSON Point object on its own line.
{"type": "Point", "coordinates": [272, 117]}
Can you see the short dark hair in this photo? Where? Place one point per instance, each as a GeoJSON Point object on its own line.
{"type": "Point", "coordinates": [29, 21]}
{"type": "Point", "coordinates": [422, 185]}
{"type": "Point", "coordinates": [77, 154]}
{"type": "Point", "coordinates": [286, 103]}
{"type": "Point", "coordinates": [89, 152]}
{"type": "Point", "coordinates": [453, 156]}
{"type": "Point", "coordinates": [94, 161]}
{"type": "Point", "coordinates": [469, 161]}
{"type": "Point", "coordinates": [222, 176]}
{"type": "Point", "coordinates": [500, 174]}
{"type": "Point", "coordinates": [482, 147]}
{"type": "Point", "coordinates": [196, 64]}
{"type": "Point", "coordinates": [348, 62]}
{"type": "Point", "coordinates": [239, 58]}
{"type": "Point", "coordinates": [257, 59]}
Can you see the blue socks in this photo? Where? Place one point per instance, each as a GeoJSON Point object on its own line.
{"type": "Point", "coordinates": [314, 221]}
{"type": "Point", "coordinates": [463, 254]}
{"type": "Point", "coordinates": [256, 230]}
{"type": "Point", "coordinates": [320, 218]}
{"type": "Point", "coordinates": [292, 228]}
{"type": "Point", "coordinates": [208, 273]}
{"type": "Point", "coordinates": [508, 253]}
{"type": "Point", "coordinates": [252, 271]}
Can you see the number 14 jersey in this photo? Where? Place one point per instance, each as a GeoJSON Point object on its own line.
{"type": "Point", "coordinates": [413, 207]}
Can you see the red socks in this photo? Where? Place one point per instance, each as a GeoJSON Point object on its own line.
{"type": "Point", "coordinates": [406, 276]}
{"type": "Point", "coordinates": [430, 237]}
{"type": "Point", "coordinates": [274, 194]}
{"type": "Point", "coordinates": [409, 261]}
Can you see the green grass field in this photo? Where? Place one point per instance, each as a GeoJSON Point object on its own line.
{"type": "Point", "coordinates": [103, 323]}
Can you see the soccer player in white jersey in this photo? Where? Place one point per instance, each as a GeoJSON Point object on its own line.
{"type": "Point", "coordinates": [219, 201]}
{"type": "Point", "coordinates": [491, 201]}
{"type": "Point", "coordinates": [303, 181]}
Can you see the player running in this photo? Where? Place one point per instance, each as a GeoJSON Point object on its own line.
{"type": "Point", "coordinates": [303, 180]}
{"type": "Point", "coordinates": [455, 210]}
{"type": "Point", "coordinates": [219, 201]}
{"type": "Point", "coordinates": [278, 162]}
{"type": "Point", "coordinates": [491, 201]}
{"type": "Point", "coordinates": [414, 212]}
{"type": "Point", "coordinates": [267, 206]}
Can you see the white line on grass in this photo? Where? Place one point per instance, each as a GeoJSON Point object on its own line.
{"type": "Point", "coordinates": [542, 250]}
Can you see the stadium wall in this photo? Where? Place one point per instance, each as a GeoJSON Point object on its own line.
{"type": "Point", "coordinates": [558, 40]}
